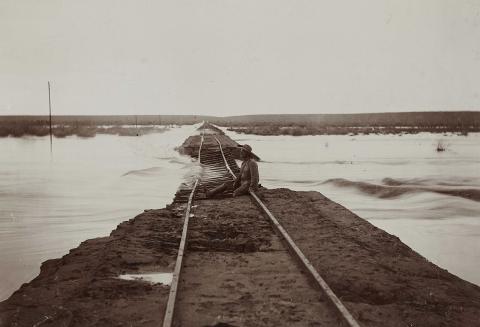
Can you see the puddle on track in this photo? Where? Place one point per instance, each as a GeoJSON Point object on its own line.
{"type": "Point", "coordinates": [152, 278]}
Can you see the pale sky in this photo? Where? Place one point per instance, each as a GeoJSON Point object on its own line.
{"type": "Point", "coordinates": [238, 57]}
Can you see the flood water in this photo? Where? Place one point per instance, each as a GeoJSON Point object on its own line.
{"type": "Point", "coordinates": [392, 181]}
{"type": "Point", "coordinates": [51, 203]}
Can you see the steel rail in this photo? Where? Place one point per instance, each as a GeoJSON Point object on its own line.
{"type": "Point", "coordinates": [172, 296]}
{"type": "Point", "coordinates": [225, 159]}
{"type": "Point", "coordinates": [337, 303]}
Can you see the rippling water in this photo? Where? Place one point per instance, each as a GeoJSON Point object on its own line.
{"type": "Point", "coordinates": [49, 204]}
{"type": "Point", "coordinates": [429, 199]}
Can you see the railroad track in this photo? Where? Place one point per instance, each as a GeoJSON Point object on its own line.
{"type": "Point", "coordinates": [320, 303]}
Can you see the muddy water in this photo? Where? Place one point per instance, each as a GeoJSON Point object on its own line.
{"type": "Point", "coordinates": [51, 203]}
{"type": "Point", "coordinates": [429, 199]}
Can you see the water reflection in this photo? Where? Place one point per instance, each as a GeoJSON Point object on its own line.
{"type": "Point", "coordinates": [152, 278]}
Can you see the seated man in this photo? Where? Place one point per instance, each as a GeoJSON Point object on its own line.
{"type": "Point", "coordinates": [246, 180]}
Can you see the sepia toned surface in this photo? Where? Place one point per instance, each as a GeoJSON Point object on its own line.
{"type": "Point", "coordinates": [49, 203]}
{"type": "Point", "coordinates": [380, 280]}
{"type": "Point", "coordinates": [366, 119]}
{"type": "Point", "coordinates": [352, 170]}
{"type": "Point", "coordinates": [237, 272]}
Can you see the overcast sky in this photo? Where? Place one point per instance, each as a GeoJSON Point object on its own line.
{"type": "Point", "coordinates": [238, 57]}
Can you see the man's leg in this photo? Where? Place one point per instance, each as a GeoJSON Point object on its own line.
{"type": "Point", "coordinates": [242, 189]}
{"type": "Point", "coordinates": [219, 189]}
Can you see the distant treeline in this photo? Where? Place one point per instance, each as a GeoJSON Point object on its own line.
{"type": "Point", "coordinates": [83, 126]}
{"type": "Point", "coordinates": [332, 130]}
{"type": "Point", "coordinates": [398, 119]}
{"type": "Point", "coordinates": [19, 130]}
{"type": "Point", "coordinates": [293, 124]}
{"type": "Point", "coordinates": [378, 123]}
{"type": "Point", "coordinates": [83, 120]}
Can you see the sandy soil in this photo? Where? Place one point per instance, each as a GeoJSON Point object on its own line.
{"type": "Point", "coordinates": [378, 277]}
{"type": "Point", "coordinates": [237, 272]}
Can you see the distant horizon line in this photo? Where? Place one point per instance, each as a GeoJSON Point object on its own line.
{"type": "Point", "coordinates": [245, 115]}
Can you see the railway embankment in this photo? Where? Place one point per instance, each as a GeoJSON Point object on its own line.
{"type": "Point", "coordinates": [236, 271]}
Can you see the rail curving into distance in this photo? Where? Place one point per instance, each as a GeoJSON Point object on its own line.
{"type": "Point", "coordinates": [340, 308]}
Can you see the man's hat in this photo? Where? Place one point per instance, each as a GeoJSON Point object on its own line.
{"type": "Point", "coordinates": [248, 148]}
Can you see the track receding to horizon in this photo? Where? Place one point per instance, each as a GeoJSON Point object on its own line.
{"type": "Point", "coordinates": [236, 265]}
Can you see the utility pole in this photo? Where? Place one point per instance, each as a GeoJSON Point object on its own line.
{"type": "Point", "coordinates": [50, 115]}
{"type": "Point", "coordinates": [136, 125]}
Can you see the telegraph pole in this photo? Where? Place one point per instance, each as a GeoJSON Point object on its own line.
{"type": "Point", "coordinates": [50, 115]}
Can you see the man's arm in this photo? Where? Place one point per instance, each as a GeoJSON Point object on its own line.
{"type": "Point", "coordinates": [254, 178]}
{"type": "Point", "coordinates": [242, 189]}
{"type": "Point", "coordinates": [238, 177]}
{"type": "Point", "coordinates": [236, 182]}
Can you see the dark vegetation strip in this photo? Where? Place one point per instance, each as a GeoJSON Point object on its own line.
{"type": "Point", "coordinates": [89, 126]}
{"type": "Point", "coordinates": [335, 130]}
{"type": "Point", "coordinates": [463, 122]}
{"type": "Point", "coordinates": [410, 119]}
{"type": "Point", "coordinates": [19, 130]}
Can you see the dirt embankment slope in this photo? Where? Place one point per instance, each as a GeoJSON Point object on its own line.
{"type": "Point", "coordinates": [381, 280]}
{"type": "Point", "coordinates": [82, 288]}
